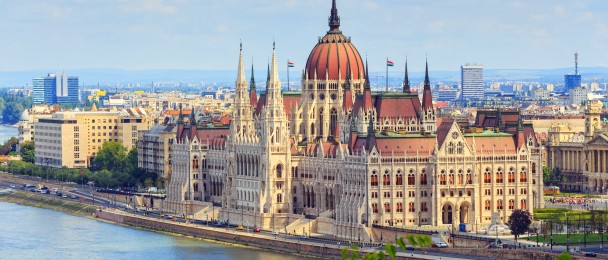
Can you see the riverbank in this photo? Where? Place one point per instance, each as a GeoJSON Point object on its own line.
{"type": "Point", "coordinates": [48, 202]}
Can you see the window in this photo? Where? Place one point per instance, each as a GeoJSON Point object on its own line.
{"type": "Point", "coordinates": [488, 192]}
{"type": "Point", "coordinates": [387, 207]}
{"type": "Point", "coordinates": [523, 204]}
{"type": "Point", "coordinates": [374, 195]}
{"type": "Point", "coordinates": [399, 207]}
{"type": "Point", "coordinates": [511, 177]}
{"type": "Point", "coordinates": [279, 171]}
{"type": "Point", "coordinates": [487, 176]}
{"type": "Point", "coordinates": [374, 208]}
{"type": "Point", "coordinates": [411, 207]}
{"type": "Point", "coordinates": [423, 180]}
{"type": "Point", "coordinates": [511, 204]}
{"type": "Point", "coordinates": [386, 179]}
{"type": "Point", "coordinates": [499, 176]}
{"type": "Point", "coordinates": [499, 192]}
{"type": "Point", "coordinates": [399, 194]}
{"type": "Point", "coordinates": [523, 177]}
{"type": "Point", "coordinates": [499, 205]}
{"type": "Point", "coordinates": [523, 191]}
{"type": "Point", "coordinates": [488, 205]}
{"type": "Point", "coordinates": [399, 180]}
{"type": "Point", "coordinates": [411, 180]}
{"type": "Point", "coordinates": [423, 207]}
{"type": "Point", "coordinates": [279, 198]}
{"type": "Point", "coordinates": [374, 179]}
{"type": "Point", "coordinates": [442, 179]}
{"type": "Point", "coordinates": [387, 194]}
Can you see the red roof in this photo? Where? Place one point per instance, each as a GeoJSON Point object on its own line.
{"type": "Point", "coordinates": [332, 54]}
{"type": "Point", "coordinates": [395, 105]}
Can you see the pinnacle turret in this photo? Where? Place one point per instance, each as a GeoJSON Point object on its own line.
{"type": "Point", "coordinates": [406, 80]}
{"type": "Point", "coordinates": [334, 19]}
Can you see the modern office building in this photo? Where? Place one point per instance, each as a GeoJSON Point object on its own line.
{"type": "Point", "coordinates": [55, 89]}
{"type": "Point", "coordinates": [72, 139]}
{"type": "Point", "coordinates": [471, 81]}
{"type": "Point", "coordinates": [573, 81]}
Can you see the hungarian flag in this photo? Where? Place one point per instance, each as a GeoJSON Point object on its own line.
{"type": "Point", "coordinates": [389, 63]}
{"type": "Point", "coordinates": [290, 64]}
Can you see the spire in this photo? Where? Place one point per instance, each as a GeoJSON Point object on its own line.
{"type": "Point", "coordinates": [366, 75]}
{"type": "Point", "coordinates": [367, 92]}
{"type": "Point", "coordinates": [371, 135]}
{"type": "Point", "coordinates": [274, 73]}
{"type": "Point", "coordinates": [427, 99]}
{"type": "Point", "coordinates": [406, 80]}
{"type": "Point", "coordinates": [347, 99]}
{"type": "Point", "coordinates": [334, 19]}
{"type": "Point", "coordinates": [240, 78]}
{"type": "Point", "coordinates": [180, 118]}
{"type": "Point", "coordinates": [192, 118]}
{"type": "Point", "coordinates": [252, 81]}
{"type": "Point", "coordinates": [268, 73]}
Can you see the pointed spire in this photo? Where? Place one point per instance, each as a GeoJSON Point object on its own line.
{"type": "Point", "coordinates": [371, 135]}
{"type": "Point", "coordinates": [427, 99]}
{"type": "Point", "coordinates": [427, 82]}
{"type": "Point", "coordinates": [406, 79]}
{"type": "Point", "coordinates": [192, 117]}
{"type": "Point", "coordinates": [274, 73]}
{"type": "Point", "coordinates": [334, 19]}
{"type": "Point", "coordinates": [180, 117]}
{"type": "Point", "coordinates": [268, 73]}
{"type": "Point", "coordinates": [367, 86]}
{"type": "Point", "coordinates": [252, 81]}
{"type": "Point", "coordinates": [240, 78]}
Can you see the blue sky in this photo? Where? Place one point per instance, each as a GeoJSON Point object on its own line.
{"type": "Point", "coordinates": [204, 34]}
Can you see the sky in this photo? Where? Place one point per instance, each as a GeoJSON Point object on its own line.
{"type": "Point", "coordinates": [205, 34]}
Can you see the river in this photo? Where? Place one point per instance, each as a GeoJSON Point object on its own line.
{"type": "Point", "coordinates": [7, 132]}
{"type": "Point", "coordinates": [34, 233]}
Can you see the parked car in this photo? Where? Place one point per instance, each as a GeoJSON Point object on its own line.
{"type": "Point", "coordinates": [275, 233]}
{"type": "Point", "coordinates": [240, 227]}
{"type": "Point", "coordinates": [73, 197]}
{"type": "Point", "coordinates": [590, 254]}
{"type": "Point", "coordinates": [304, 236]}
{"type": "Point", "coordinates": [13, 186]}
{"type": "Point", "coordinates": [410, 248]}
{"type": "Point", "coordinates": [256, 229]}
{"type": "Point", "coordinates": [59, 194]}
{"type": "Point", "coordinates": [64, 196]}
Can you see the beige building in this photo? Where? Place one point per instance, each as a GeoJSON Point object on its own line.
{"type": "Point", "coordinates": [581, 156]}
{"type": "Point", "coordinates": [155, 150]}
{"type": "Point", "coordinates": [71, 139]}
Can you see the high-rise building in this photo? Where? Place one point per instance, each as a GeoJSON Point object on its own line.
{"type": "Point", "coordinates": [55, 89]}
{"type": "Point", "coordinates": [472, 81]}
{"type": "Point", "coordinates": [573, 81]}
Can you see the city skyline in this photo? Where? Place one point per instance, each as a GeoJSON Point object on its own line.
{"type": "Point", "coordinates": [157, 34]}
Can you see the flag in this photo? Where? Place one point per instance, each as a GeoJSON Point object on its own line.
{"type": "Point", "coordinates": [290, 64]}
{"type": "Point", "coordinates": [389, 63]}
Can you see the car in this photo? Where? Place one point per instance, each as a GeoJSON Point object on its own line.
{"type": "Point", "coordinates": [410, 248]}
{"type": "Point", "coordinates": [13, 186]}
{"type": "Point", "coordinates": [59, 194]}
{"type": "Point", "coordinates": [33, 190]}
{"type": "Point", "coordinates": [73, 197]}
{"type": "Point", "coordinates": [64, 196]}
{"type": "Point", "coordinates": [256, 229]}
{"type": "Point", "coordinates": [275, 233]}
{"type": "Point", "coordinates": [240, 227]}
{"type": "Point", "coordinates": [304, 236]}
{"type": "Point", "coordinates": [590, 254]}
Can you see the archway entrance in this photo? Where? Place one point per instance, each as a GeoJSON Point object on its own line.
{"type": "Point", "coordinates": [446, 213]}
{"type": "Point", "coordinates": [464, 212]}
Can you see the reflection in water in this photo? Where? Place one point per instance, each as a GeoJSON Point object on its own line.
{"type": "Point", "coordinates": [27, 232]}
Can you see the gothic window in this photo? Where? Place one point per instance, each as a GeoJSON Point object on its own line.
{"type": "Point", "coordinates": [423, 179]}
{"type": "Point", "coordinates": [499, 176]}
{"type": "Point", "coordinates": [488, 205]}
{"type": "Point", "coordinates": [399, 207]}
{"type": "Point", "coordinates": [321, 130]}
{"type": "Point", "coordinates": [386, 179]}
{"type": "Point", "coordinates": [195, 162]}
{"type": "Point", "coordinates": [387, 208]}
{"type": "Point", "coordinates": [533, 168]}
{"type": "Point", "coordinates": [511, 177]}
{"type": "Point", "coordinates": [374, 179]}
{"type": "Point", "coordinates": [374, 208]}
{"type": "Point", "coordinates": [411, 207]}
{"type": "Point", "coordinates": [279, 171]}
{"type": "Point", "coordinates": [279, 198]}
{"type": "Point", "coordinates": [423, 207]}
{"type": "Point", "coordinates": [399, 178]}
{"type": "Point", "coordinates": [333, 121]}
{"type": "Point", "coordinates": [442, 179]}
{"type": "Point", "coordinates": [460, 148]}
{"type": "Point", "coordinates": [312, 128]}
{"type": "Point", "coordinates": [499, 205]}
{"type": "Point", "coordinates": [523, 176]}
{"type": "Point", "coordinates": [450, 148]}
{"type": "Point", "coordinates": [522, 204]}
{"type": "Point", "coordinates": [460, 178]}
{"type": "Point", "coordinates": [195, 187]}
{"type": "Point", "coordinates": [511, 204]}
{"type": "Point", "coordinates": [411, 180]}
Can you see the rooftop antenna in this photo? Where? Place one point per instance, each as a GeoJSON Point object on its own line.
{"type": "Point", "coordinates": [576, 63]}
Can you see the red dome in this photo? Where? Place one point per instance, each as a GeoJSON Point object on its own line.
{"type": "Point", "coordinates": [333, 53]}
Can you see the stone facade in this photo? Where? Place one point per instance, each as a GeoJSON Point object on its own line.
{"type": "Point", "coordinates": [336, 158]}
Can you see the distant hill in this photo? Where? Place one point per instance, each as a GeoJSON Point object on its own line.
{"type": "Point", "coordinates": [110, 77]}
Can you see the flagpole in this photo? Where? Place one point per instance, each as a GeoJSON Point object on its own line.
{"type": "Point", "coordinates": [386, 74]}
{"type": "Point", "coordinates": [288, 89]}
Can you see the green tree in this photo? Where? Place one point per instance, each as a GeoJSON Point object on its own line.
{"type": "Point", "coordinates": [112, 156]}
{"type": "Point", "coordinates": [27, 151]}
{"type": "Point", "coordinates": [12, 112]}
{"type": "Point", "coordinates": [547, 175]}
{"type": "Point", "coordinates": [519, 222]}
{"type": "Point", "coordinates": [9, 146]}
{"type": "Point", "coordinates": [564, 256]}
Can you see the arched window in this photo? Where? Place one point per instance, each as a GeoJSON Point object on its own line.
{"type": "Point", "coordinates": [533, 168]}
{"type": "Point", "coordinates": [279, 171]}
{"type": "Point", "coordinates": [499, 176]}
{"type": "Point", "coordinates": [333, 121]}
{"type": "Point", "coordinates": [411, 180]}
{"type": "Point", "coordinates": [195, 187]}
{"type": "Point", "coordinates": [195, 162]}
{"type": "Point", "coordinates": [488, 205]}
{"type": "Point", "coordinates": [399, 207]}
{"type": "Point", "coordinates": [442, 179]}
{"type": "Point", "coordinates": [374, 179]}
{"type": "Point", "coordinates": [374, 207]}
{"type": "Point", "coordinates": [511, 204]}
{"type": "Point", "coordinates": [386, 179]}
{"type": "Point", "coordinates": [387, 208]}
{"type": "Point", "coordinates": [511, 177]}
{"type": "Point", "coordinates": [279, 198]}
{"type": "Point", "coordinates": [411, 207]}
{"type": "Point", "coordinates": [423, 179]}
{"type": "Point", "coordinates": [499, 205]}
{"type": "Point", "coordinates": [399, 177]}
{"type": "Point", "coordinates": [523, 175]}
{"type": "Point", "coordinates": [321, 128]}
{"type": "Point", "coordinates": [523, 204]}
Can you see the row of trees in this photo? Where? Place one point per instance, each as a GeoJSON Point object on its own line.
{"type": "Point", "coordinates": [12, 105]}
{"type": "Point", "coordinates": [112, 167]}
{"type": "Point", "coordinates": [553, 177]}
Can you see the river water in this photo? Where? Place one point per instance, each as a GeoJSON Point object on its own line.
{"type": "Point", "coordinates": [7, 132]}
{"type": "Point", "coordinates": [34, 233]}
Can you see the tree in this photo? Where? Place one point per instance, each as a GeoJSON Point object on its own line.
{"type": "Point", "coordinates": [564, 256]}
{"type": "Point", "coordinates": [112, 156]}
{"type": "Point", "coordinates": [519, 222]}
{"type": "Point", "coordinates": [12, 112]}
{"type": "Point", "coordinates": [9, 145]}
{"type": "Point", "coordinates": [547, 175]}
{"type": "Point", "coordinates": [27, 151]}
